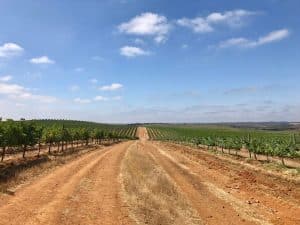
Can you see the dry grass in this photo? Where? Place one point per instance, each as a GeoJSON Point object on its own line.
{"type": "Point", "coordinates": [151, 195]}
{"type": "Point", "coordinates": [32, 169]}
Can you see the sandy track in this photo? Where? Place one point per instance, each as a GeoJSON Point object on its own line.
{"type": "Point", "coordinates": [211, 183]}
{"type": "Point", "coordinates": [211, 208]}
{"type": "Point", "coordinates": [85, 191]}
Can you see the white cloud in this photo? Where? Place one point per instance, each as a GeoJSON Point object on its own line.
{"type": "Point", "coordinates": [19, 92]}
{"type": "Point", "coordinates": [100, 98]}
{"type": "Point", "coordinates": [9, 89]}
{"type": "Point", "coordinates": [30, 96]}
{"type": "Point", "coordinates": [42, 60]}
{"type": "Point", "coordinates": [112, 87]}
{"type": "Point", "coordinates": [241, 42]}
{"type": "Point", "coordinates": [82, 101]}
{"type": "Point", "coordinates": [149, 24]}
{"type": "Point", "coordinates": [233, 18]}
{"type": "Point", "coordinates": [198, 25]}
{"type": "Point", "coordinates": [131, 51]}
{"type": "Point", "coordinates": [6, 78]}
{"type": "Point", "coordinates": [79, 69]}
{"type": "Point", "coordinates": [93, 81]}
{"type": "Point", "coordinates": [276, 35]}
{"type": "Point", "coordinates": [273, 36]}
{"type": "Point", "coordinates": [9, 50]}
{"type": "Point", "coordinates": [74, 88]}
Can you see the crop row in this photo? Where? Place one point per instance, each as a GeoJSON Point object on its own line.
{"type": "Point", "coordinates": [21, 135]}
{"type": "Point", "coordinates": [283, 145]}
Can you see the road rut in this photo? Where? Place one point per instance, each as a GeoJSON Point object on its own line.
{"type": "Point", "coordinates": [85, 191]}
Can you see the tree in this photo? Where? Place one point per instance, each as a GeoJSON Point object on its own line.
{"type": "Point", "coordinates": [13, 134]}
{"type": "Point", "coordinates": [49, 137]}
{"type": "Point", "coordinates": [28, 136]}
{"type": "Point", "coordinates": [3, 140]}
{"type": "Point", "coordinates": [85, 135]}
{"type": "Point", "coordinates": [98, 135]}
{"type": "Point", "coordinates": [39, 136]}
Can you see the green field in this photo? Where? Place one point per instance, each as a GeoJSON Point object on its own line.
{"type": "Point", "coordinates": [285, 144]}
{"type": "Point", "coordinates": [22, 135]}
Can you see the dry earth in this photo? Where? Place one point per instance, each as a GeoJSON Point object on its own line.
{"type": "Point", "coordinates": [145, 182]}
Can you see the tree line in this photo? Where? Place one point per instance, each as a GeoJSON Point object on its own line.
{"type": "Point", "coordinates": [25, 134]}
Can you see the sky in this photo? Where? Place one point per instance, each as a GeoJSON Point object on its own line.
{"type": "Point", "coordinates": [128, 61]}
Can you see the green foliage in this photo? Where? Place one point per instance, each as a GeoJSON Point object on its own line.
{"type": "Point", "coordinates": [281, 144]}
{"type": "Point", "coordinates": [23, 134]}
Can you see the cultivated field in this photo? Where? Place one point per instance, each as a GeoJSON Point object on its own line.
{"type": "Point", "coordinates": [154, 182]}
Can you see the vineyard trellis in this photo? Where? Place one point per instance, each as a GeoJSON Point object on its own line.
{"type": "Point", "coordinates": [283, 145]}
{"type": "Point", "coordinates": [21, 135]}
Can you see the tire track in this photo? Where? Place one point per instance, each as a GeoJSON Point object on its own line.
{"type": "Point", "coordinates": [43, 202]}
{"type": "Point", "coordinates": [211, 208]}
{"type": "Point", "coordinates": [273, 199]}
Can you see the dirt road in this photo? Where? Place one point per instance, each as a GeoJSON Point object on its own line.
{"type": "Point", "coordinates": [85, 191]}
{"type": "Point", "coordinates": [145, 182]}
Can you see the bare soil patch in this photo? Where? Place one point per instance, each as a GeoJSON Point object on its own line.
{"type": "Point", "coordinates": [271, 197]}
{"type": "Point", "coordinates": [152, 196]}
{"type": "Point", "coordinates": [84, 191]}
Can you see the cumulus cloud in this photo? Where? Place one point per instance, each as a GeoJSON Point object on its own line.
{"type": "Point", "coordinates": [234, 18]}
{"type": "Point", "coordinates": [18, 92]}
{"type": "Point", "coordinates": [112, 87]}
{"type": "Point", "coordinates": [42, 60]}
{"type": "Point", "coordinates": [9, 50]}
{"type": "Point", "coordinates": [273, 36]}
{"type": "Point", "coordinates": [198, 25]}
{"type": "Point", "coordinates": [131, 51]}
{"type": "Point", "coordinates": [147, 24]}
{"type": "Point", "coordinates": [6, 78]}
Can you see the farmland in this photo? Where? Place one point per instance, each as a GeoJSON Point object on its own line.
{"type": "Point", "coordinates": [283, 144]}
{"type": "Point", "coordinates": [23, 136]}
{"type": "Point", "coordinates": [158, 179]}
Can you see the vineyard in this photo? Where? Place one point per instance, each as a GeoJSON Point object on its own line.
{"type": "Point", "coordinates": [280, 144]}
{"type": "Point", "coordinates": [22, 136]}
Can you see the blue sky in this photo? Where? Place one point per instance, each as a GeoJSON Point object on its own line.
{"type": "Point", "coordinates": [150, 61]}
